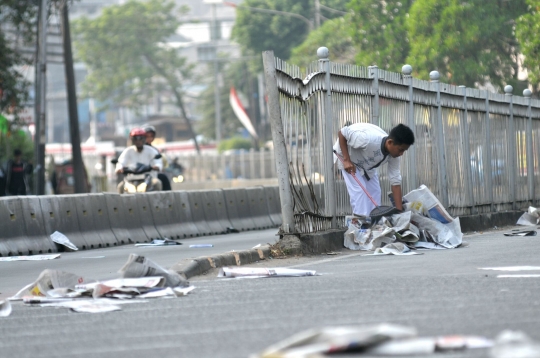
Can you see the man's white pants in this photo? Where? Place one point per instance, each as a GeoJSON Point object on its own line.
{"type": "Point", "coordinates": [360, 203]}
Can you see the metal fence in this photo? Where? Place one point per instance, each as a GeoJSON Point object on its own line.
{"type": "Point", "coordinates": [476, 150]}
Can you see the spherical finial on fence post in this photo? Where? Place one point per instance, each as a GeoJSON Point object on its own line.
{"type": "Point", "coordinates": [323, 53]}
{"type": "Point", "coordinates": [527, 93]}
{"type": "Point", "coordinates": [508, 90]}
{"type": "Point", "coordinates": [406, 70]}
{"type": "Point", "coordinates": [434, 76]}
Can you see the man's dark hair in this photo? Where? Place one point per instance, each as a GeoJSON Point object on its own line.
{"type": "Point", "coordinates": [17, 152]}
{"type": "Point", "coordinates": [401, 134]}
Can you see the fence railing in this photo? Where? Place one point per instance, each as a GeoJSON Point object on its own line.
{"type": "Point", "coordinates": [476, 150]}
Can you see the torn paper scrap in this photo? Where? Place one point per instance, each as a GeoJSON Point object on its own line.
{"type": "Point", "coordinates": [423, 201]}
{"type": "Point", "coordinates": [396, 248]}
{"type": "Point", "coordinates": [61, 239]}
{"type": "Point", "coordinates": [30, 258]}
{"type": "Point", "coordinates": [5, 308]}
{"type": "Point", "coordinates": [263, 272]}
{"type": "Point", "coordinates": [160, 242]}
{"type": "Point", "coordinates": [140, 266]}
{"type": "Point", "coordinates": [49, 280]}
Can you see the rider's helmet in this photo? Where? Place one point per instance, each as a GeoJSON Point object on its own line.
{"type": "Point", "coordinates": [137, 134]}
{"type": "Point", "coordinates": [149, 129]}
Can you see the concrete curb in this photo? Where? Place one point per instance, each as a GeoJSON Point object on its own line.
{"type": "Point", "coordinates": [200, 265]}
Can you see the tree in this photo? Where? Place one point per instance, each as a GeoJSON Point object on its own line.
{"type": "Point", "coordinates": [379, 32]}
{"type": "Point", "coordinates": [126, 56]}
{"type": "Point", "coordinates": [19, 17]}
{"type": "Point", "coordinates": [527, 31]}
{"type": "Point", "coordinates": [333, 34]}
{"type": "Point", "coordinates": [469, 43]}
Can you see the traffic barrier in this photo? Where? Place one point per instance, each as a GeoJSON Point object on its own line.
{"type": "Point", "coordinates": [34, 226]}
{"type": "Point", "coordinates": [274, 204]}
{"type": "Point", "coordinates": [215, 210]}
{"type": "Point", "coordinates": [238, 209]}
{"type": "Point", "coordinates": [13, 240]}
{"type": "Point", "coordinates": [162, 206]}
{"type": "Point", "coordinates": [60, 214]}
{"type": "Point", "coordinates": [146, 220]}
{"type": "Point", "coordinates": [182, 214]}
{"type": "Point", "coordinates": [196, 203]}
{"type": "Point", "coordinates": [93, 218]}
{"type": "Point", "coordinates": [124, 218]}
{"type": "Point", "coordinates": [258, 208]}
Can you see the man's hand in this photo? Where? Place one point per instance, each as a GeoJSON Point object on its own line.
{"type": "Point", "coordinates": [155, 167]}
{"type": "Point", "coordinates": [119, 171]}
{"type": "Point", "coordinates": [349, 166]}
{"type": "Point", "coordinates": [396, 191]}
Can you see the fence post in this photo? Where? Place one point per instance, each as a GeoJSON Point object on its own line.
{"type": "Point", "coordinates": [413, 174]}
{"type": "Point", "coordinates": [467, 151]}
{"type": "Point", "coordinates": [252, 163]}
{"type": "Point", "coordinates": [328, 125]}
{"type": "Point", "coordinates": [280, 148]}
{"type": "Point", "coordinates": [511, 145]}
{"type": "Point", "coordinates": [374, 74]}
{"type": "Point", "coordinates": [530, 156]}
{"type": "Point", "coordinates": [262, 163]}
{"type": "Point", "coordinates": [486, 154]}
{"type": "Point", "coordinates": [443, 183]}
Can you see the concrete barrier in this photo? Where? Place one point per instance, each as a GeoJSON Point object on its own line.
{"type": "Point", "coordinates": [13, 239]}
{"type": "Point", "coordinates": [258, 208]}
{"type": "Point", "coordinates": [34, 226]}
{"type": "Point", "coordinates": [215, 210]}
{"type": "Point", "coordinates": [196, 204]}
{"type": "Point", "coordinates": [146, 220]}
{"type": "Point", "coordinates": [274, 204]}
{"type": "Point", "coordinates": [182, 215]}
{"type": "Point", "coordinates": [124, 219]}
{"type": "Point", "coordinates": [93, 218]}
{"type": "Point", "coordinates": [238, 209]}
{"type": "Point", "coordinates": [162, 207]}
{"type": "Point", "coordinates": [60, 214]}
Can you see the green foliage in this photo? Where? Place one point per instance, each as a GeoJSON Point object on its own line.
{"type": "Point", "coordinates": [527, 33]}
{"type": "Point", "coordinates": [123, 52]}
{"type": "Point", "coordinates": [16, 139]}
{"type": "Point", "coordinates": [332, 34]}
{"type": "Point", "coordinates": [257, 31]}
{"type": "Point", "coordinates": [467, 42]}
{"type": "Point", "coordinates": [235, 143]}
{"type": "Point", "coordinates": [379, 32]}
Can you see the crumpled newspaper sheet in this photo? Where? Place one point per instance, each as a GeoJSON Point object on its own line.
{"type": "Point", "coordinates": [531, 217]}
{"type": "Point", "coordinates": [422, 225]}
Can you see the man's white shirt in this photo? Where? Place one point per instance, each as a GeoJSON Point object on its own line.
{"type": "Point", "coordinates": [130, 157]}
{"type": "Point", "coordinates": [364, 144]}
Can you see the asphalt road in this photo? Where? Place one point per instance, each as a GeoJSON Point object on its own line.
{"type": "Point", "coordinates": [439, 293]}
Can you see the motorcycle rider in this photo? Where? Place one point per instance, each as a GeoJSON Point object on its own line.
{"type": "Point", "coordinates": [139, 153]}
{"type": "Point", "coordinates": [150, 136]}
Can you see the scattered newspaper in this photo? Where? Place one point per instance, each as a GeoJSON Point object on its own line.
{"type": "Point", "coordinates": [263, 272]}
{"type": "Point", "coordinates": [49, 280]}
{"type": "Point", "coordinates": [30, 258]}
{"type": "Point", "coordinates": [140, 266]}
{"type": "Point", "coordinates": [530, 217]}
{"type": "Point", "coordinates": [160, 242]}
{"type": "Point", "coordinates": [379, 340]}
{"type": "Point", "coordinates": [5, 308]}
{"type": "Point", "coordinates": [396, 248]}
{"type": "Point", "coordinates": [423, 201]}
{"type": "Point", "coordinates": [61, 239]}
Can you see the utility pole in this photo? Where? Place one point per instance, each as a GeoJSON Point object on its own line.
{"type": "Point", "coordinates": [76, 155]}
{"type": "Point", "coordinates": [41, 101]}
{"type": "Point", "coordinates": [217, 98]}
{"type": "Point", "coordinates": [317, 14]}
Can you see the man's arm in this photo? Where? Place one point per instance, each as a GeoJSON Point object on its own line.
{"type": "Point", "coordinates": [347, 164]}
{"type": "Point", "coordinates": [398, 196]}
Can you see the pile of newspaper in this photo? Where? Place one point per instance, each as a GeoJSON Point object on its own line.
{"type": "Point", "coordinates": [140, 278]}
{"type": "Point", "coordinates": [424, 224]}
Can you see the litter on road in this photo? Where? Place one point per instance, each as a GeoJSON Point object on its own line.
{"type": "Point", "coordinates": [160, 242]}
{"type": "Point", "coordinates": [255, 272]}
{"type": "Point", "coordinates": [530, 217]}
{"type": "Point", "coordinates": [424, 224]}
{"type": "Point", "coordinates": [512, 268]}
{"type": "Point", "coordinates": [62, 239]}
{"type": "Point", "coordinates": [141, 278]}
{"type": "Point", "coordinates": [5, 308]}
{"type": "Point", "coordinates": [519, 232]}
{"type": "Point", "coordinates": [200, 246]}
{"type": "Point", "coordinates": [380, 340]}
{"type": "Point", "coordinates": [30, 258]}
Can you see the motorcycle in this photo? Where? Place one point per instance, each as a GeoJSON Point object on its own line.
{"type": "Point", "coordinates": [137, 179]}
